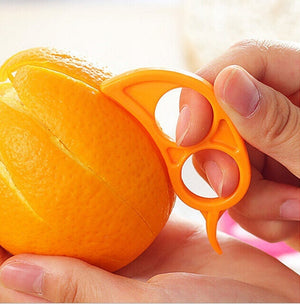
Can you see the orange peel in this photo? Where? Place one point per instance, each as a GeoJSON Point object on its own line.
{"type": "Point", "coordinates": [79, 175]}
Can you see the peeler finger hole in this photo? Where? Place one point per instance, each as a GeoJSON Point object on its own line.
{"type": "Point", "coordinates": [219, 169]}
{"type": "Point", "coordinates": [185, 127]}
{"type": "Point", "coordinates": [167, 112]}
{"type": "Point", "coordinates": [195, 181]}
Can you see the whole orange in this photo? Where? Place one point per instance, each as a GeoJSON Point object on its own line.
{"type": "Point", "coordinates": [79, 176]}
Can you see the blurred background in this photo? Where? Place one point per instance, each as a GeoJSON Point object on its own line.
{"type": "Point", "coordinates": [124, 35]}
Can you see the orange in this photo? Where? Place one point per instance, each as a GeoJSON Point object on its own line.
{"type": "Point", "coordinates": [79, 176]}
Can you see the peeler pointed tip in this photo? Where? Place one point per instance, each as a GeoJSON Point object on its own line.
{"type": "Point", "coordinates": [211, 229]}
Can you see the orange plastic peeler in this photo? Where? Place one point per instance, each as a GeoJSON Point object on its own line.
{"type": "Point", "coordinates": [139, 91]}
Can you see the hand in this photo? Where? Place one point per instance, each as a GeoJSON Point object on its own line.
{"type": "Point", "coordinates": [179, 266]}
{"type": "Point", "coordinates": [258, 86]}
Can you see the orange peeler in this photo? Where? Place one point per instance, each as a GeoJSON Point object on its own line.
{"type": "Point", "coordinates": [139, 92]}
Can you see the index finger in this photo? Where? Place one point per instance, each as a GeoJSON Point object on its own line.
{"type": "Point", "coordinates": [276, 64]}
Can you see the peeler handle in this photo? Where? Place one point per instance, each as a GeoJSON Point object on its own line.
{"type": "Point", "coordinates": [139, 92]}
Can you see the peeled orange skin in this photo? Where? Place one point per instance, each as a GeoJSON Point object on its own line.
{"type": "Point", "coordinates": [79, 176]}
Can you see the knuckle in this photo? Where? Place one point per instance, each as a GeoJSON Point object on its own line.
{"type": "Point", "coordinates": [251, 45]}
{"type": "Point", "coordinates": [281, 123]}
{"type": "Point", "coordinates": [276, 231]}
{"type": "Point", "coordinates": [69, 289]}
{"type": "Point", "coordinates": [271, 238]}
{"type": "Point", "coordinates": [273, 232]}
{"type": "Point", "coordinates": [245, 44]}
{"type": "Point", "coordinates": [254, 48]}
{"type": "Point", "coordinates": [275, 120]}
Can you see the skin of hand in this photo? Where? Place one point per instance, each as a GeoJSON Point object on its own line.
{"type": "Point", "coordinates": [257, 83]}
{"type": "Point", "coordinates": [180, 266]}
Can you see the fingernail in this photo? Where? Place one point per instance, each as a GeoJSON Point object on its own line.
{"type": "Point", "coordinates": [183, 124]}
{"type": "Point", "coordinates": [22, 277]}
{"type": "Point", "coordinates": [290, 210]}
{"type": "Point", "coordinates": [240, 93]}
{"type": "Point", "coordinates": [214, 176]}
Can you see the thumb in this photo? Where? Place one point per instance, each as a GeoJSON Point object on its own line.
{"type": "Point", "coordinates": [264, 117]}
{"type": "Point", "coordinates": [63, 279]}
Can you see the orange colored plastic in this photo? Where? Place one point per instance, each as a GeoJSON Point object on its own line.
{"type": "Point", "coordinates": [139, 91]}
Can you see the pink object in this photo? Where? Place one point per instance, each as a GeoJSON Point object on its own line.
{"type": "Point", "coordinates": [229, 226]}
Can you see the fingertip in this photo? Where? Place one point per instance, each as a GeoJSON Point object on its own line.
{"type": "Point", "coordinates": [183, 127]}
{"type": "Point", "coordinates": [195, 118]}
{"type": "Point", "coordinates": [238, 90]}
{"type": "Point", "coordinates": [22, 276]}
{"type": "Point", "coordinates": [222, 80]}
{"type": "Point", "coordinates": [214, 175]}
{"type": "Point", "coordinates": [221, 171]}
